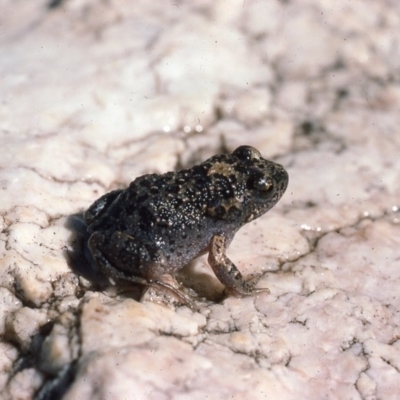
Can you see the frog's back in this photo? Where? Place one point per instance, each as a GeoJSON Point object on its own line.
{"type": "Point", "coordinates": [175, 203]}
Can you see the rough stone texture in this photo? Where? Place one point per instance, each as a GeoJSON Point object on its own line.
{"type": "Point", "coordinates": [95, 93]}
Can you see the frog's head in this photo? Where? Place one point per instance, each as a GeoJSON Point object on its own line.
{"type": "Point", "coordinates": [260, 183]}
{"type": "Point", "coordinates": [242, 185]}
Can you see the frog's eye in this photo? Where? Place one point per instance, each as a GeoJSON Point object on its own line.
{"type": "Point", "coordinates": [247, 153]}
{"type": "Point", "coordinates": [259, 183]}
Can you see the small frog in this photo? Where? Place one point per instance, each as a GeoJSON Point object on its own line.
{"type": "Point", "coordinates": [160, 223]}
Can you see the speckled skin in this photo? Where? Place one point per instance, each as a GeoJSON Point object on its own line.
{"type": "Point", "coordinates": [161, 222]}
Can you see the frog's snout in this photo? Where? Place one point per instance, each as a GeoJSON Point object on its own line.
{"type": "Point", "coordinates": [281, 177]}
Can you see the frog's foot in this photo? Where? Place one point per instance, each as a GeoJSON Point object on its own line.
{"type": "Point", "coordinates": [227, 272]}
{"type": "Point", "coordinates": [164, 286]}
{"type": "Point", "coordinates": [156, 283]}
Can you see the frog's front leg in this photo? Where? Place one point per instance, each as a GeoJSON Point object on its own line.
{"type": "Point", "coordinates": [227, 272]}
{"type": "Point", "coordinates": [125, 258]}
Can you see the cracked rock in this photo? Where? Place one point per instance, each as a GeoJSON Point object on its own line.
{"type": "Point", "coordinates": [95, 94]}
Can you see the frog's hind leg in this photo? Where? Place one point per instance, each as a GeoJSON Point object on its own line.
{"type": "Point", "coordinates": [113, 273]}
{"type": "Point", "coordinates": [226, 271]}
{"type": "Point", "coordinates": [96, 246]}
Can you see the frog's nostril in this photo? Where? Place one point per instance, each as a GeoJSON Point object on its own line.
{"type": "Point", "coordinates": [279, 173]}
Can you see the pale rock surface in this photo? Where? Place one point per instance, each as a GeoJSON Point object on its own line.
{"type": "Point", "coordinates": [94, 94]}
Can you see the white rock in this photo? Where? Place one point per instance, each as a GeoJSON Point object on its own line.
{"type": "Point", "coordinates": [94, 94]}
